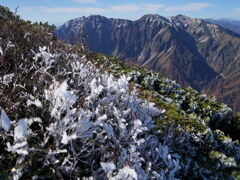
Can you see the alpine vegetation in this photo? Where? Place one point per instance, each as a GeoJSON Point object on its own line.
{"type": "Point", "coordinates": [67, 113]}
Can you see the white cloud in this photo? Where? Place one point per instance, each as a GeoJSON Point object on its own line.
{"type": "Point", "coordinates": [188, 7]}
{"type": "Point", "coordinates": [124, 8]}
{"type": "Point", "coordinates": [89, 10]}
{"type": "Point", "coordinates": [86, 1]}
{"type": "Point", "coordinates": [26, 8]}
{"type": "Point", "coordinates": [237, 10]}
{"type": "Point", "coordinates": [152, 8]}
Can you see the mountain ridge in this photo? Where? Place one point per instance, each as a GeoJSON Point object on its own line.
{"type": "Point", "coordinates": [189, 50]}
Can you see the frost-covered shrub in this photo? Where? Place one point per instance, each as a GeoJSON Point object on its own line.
{"type": "Point", "coordinates": [94, 125]}
{"type": "Point", "coordinates": [98, 129]}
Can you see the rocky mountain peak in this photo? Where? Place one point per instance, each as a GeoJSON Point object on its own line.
{"type": "Point", "coordinates": [154, 17]}
{"type": "Point", "coordinates": [97, 18]}
{"type": "Point", "coordinates": [183, 21]}
{"type": "Point", "coordinates": [182, 17]}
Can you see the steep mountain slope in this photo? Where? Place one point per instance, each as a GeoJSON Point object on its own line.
{"type": "Point", "coordinates": [191, 51]}
{"type": "Point", "coordinates": [219, 47]}
{"type": "Point", "coordinates": [150, 41]}
{"type": "Point", "coordinates": [233, 25]}
{"type": "Point", "coordinates": [227, 90]}
{"type": "Point", "coordinates": [66, 113]}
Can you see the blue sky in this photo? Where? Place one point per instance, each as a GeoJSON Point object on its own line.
{"type": "Point", "coordinates": [59, 11]}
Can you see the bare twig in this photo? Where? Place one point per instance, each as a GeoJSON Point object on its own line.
{"type": "Point", "coordinates": [16, 10]}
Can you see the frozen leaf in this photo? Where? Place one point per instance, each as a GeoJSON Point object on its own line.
{"type": "Point", "coordinates": [4, 121]}
{"type": "Point", "coordinates": [15, 147]}
{"type": "Point", "coordinates": [21, 129]}
{"type": "Point", "coordinates": [126, 173]}
{"type": "Point", "coordinates": [1, 51]}
{"type": "Point", "coordinates": [26, 35]}
{"type": "Point", "coordinates": [17, 173]}
{"type": "Point", "coordinates": [64, 138]}
{"type": "Point", "coordinates": [102, 118]}
{"type": "Point", "coordinates": [7, 78]}
{"type": "Point", "coordinates": [22, 151]}
{"type": "Point", "coordinates": [32, 120]}
{"type": "Point", "coordinates": [58, 151]}
{"type": "Point", "coordinates": [108, 166]}
{"type": "Point", "coordinates": [108, 129]}
{"type": "Point", "coordinates": [36, 103]}
{"type": "Point", "coordinates": [10, 45]}
{"type": "Point", "coordinates": [61, 98]}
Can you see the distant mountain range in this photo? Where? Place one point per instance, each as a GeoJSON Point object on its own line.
{"type": "Point", "coordinates": [191, 51]}
{"type": "Point", "coordinates": [233, 25]}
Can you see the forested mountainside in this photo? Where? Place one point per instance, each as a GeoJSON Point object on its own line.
{"type": "Point", "coordinates": [191, 51]}
{"type": "Point", "coordinates": [68, 113]}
